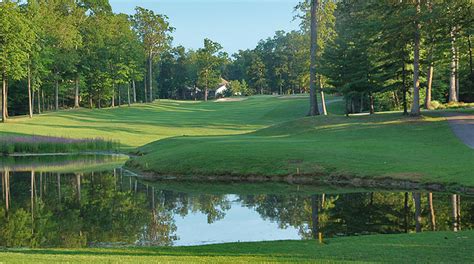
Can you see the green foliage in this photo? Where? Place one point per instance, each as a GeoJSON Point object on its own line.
{"type": "Point", "coordinates": [15, 229]}
{"type": "Point", "coordinates": [209, 60]}
{"type": "Point", "coordinates": [373, 49]}
{"type": "Point", "coordinates": [153, 29]}
{"type": "Point", "coordinates": [17, 41]}
{"type": "Point", "coordinates": [240, 88]}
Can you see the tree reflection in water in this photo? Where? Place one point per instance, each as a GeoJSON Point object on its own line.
{"type": "Point", "coordinates": [41, 209]}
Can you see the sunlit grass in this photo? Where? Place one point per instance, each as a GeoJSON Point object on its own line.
{"type": "Point", "coordinates": [261, 136]}
{"type": "Point", "coordinates": [439, 247]}
{"type": "Point", "coordinates": [380, 146]}
{"type": "Point", "coordinates": [144, 123]}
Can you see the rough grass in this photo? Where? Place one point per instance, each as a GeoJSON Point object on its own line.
{"type": "Point", "coordinates": [42, 144]}
{"type": "Point", "coordinates": [408, 248]}
{"type": "Point", "coordinates": [62, 163]}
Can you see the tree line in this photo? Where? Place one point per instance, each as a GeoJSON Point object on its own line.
{"type": "Point", "coordinates": [68, 53]}
{"type": "Point", "coordinates": [380, 55]}
{"type": "Point", "coordinates": [44, 209]}
{"type": "Point", "coordinates": [402, 54]}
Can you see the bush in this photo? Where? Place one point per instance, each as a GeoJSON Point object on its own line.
{"type": "Point", "coordinates": [436, 105]}
{"type": "Point", "coordinates": [240, 88]}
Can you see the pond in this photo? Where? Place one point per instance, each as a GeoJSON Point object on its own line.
{"type": "Point", "coordinates": [89, 201]}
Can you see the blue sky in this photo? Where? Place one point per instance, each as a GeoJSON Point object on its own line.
{"type": "Point", "coordinates": [235, 24]}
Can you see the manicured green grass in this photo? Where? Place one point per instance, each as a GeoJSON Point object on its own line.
{"type": "Point", "coordinates": [380, 146]}
{"type": "Point", "coordinates": [143, 123]}
{"type": "Point", "coordinates": [406, 248]}
{"type": "Point", "coordinates": [267, 136]}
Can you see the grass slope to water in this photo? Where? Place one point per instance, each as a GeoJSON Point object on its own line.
{"type": "Point", "coordinates": [267, 136]}
{"type": "Point", "coordinates": [381, 146]}
{"type": "Point", "coordinates": [408, 248]}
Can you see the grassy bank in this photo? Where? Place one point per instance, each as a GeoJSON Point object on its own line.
{"type": "Point", "coordinates": [380, 146]}
{"type": "Point", "coordinates": [267, 136]}
{"type": "Point", "coordinates": [425, 247]}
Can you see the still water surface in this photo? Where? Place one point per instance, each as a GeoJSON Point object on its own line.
{"type": "Point", "coordinates": [85, 201]}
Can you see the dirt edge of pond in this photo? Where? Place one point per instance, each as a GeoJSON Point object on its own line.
{"type": "Point", "coordinates": [337, 180]}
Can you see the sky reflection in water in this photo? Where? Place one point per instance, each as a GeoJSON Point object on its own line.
{"type": "Point", "coordinates": [111, 208]}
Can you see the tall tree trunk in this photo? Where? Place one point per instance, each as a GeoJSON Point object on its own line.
{"type": "Point", "coordinates": [405, 206]}
{"type": "Point", "coordinates": [313, 100]}
{"type": "Point", "coordinates": [56, 95]}
{"type": "Point", "coordinates": [459, 211]}
{"type": "Point", "coordinates": [78, 184]}
{"type": "Point", "coordinates": [39, 100]}
{"type": "Point", "coordinates": [30, 97]}
{"type": "Point", "coordinates": [4, 97]}
{"type": "Point", "coordinates": [314, 216]}
{"type": "Point", "coordinates": [428, 87]}
{"type": "Point", "coordinates": [430, 59]}
{"type": "Point", "coordinates": [455, 212]}
{"type": "Point", "coordinates": [153, 198]}
{"type": "Point", "coordinates": [134, 92]}
{"type": "Point", "coordinates": [145, 90]}
{"type": "Point", "coordinates": [372, 107]}
{"type": "Point", "coordinates": [417, 199]}
{"type": "Point", "coordinates": [150, 78]}
{"type": "Point", "coordinates": [119, 96]}
{"type": "Point", "coordinates": [206, 94]}
{"type": "Point", "coordinates": [452, 80]}
{"type": "Point", "coordinates": [415, 110]}
{"type": "Point", "coordinates": [76, 95]}
{"type": "Point", "coordinates": [469, 43]}
{"type": "Point", "coordinates": [59, 186]}
{"type": "Point", "coordinates": [113, 95]}
{"type": "Point", "coordinates": [458, 95]}
{"type": "Point", "coordinates": [3, 184]}
{"type": "Point", "coordinates": [7, 190]}
{"type": "Point", "coordinates": [128, 94]}
{"type": "Point", "coordinates": [32, 198]}
{"type": "Point", "coordinates": [405, 89]}
{"type": "Point", "coordinates": [432, 212]}
{"type": "Point", "coordinates": [323, 101]}
{"type": "Point", "coordinates": [33, 98]}
{"type": "Point", "coordinates": [42, 187]}
{"type": "Point", "coordinates": [42, 100]}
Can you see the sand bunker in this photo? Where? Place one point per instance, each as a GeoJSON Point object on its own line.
{"type": "Point", "coordinates": [231, 99]}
